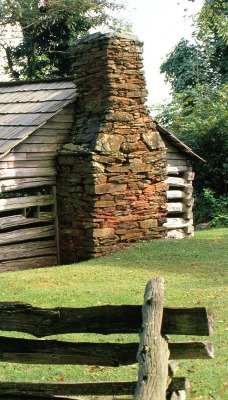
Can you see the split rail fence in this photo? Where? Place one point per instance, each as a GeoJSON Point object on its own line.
{"type": "Point", "coordinates": [154, 352]}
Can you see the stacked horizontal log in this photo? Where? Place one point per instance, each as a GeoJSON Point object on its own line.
{"type": "Point", "coordinates": [179, 222]}
{"type": "Point", "coordinates": [32, 163]}
{"type": "Point", "coordinates": [28, 236]}
{"type": "Point", "coordinates": [111, 189]}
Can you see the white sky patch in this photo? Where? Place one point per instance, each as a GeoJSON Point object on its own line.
{"type": "Point", "coordinates": [160, 24]}
{"type": "Point", "coordinates": [7, 36]}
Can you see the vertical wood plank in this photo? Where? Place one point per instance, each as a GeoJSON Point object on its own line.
{"type": "Point", "coordinates": [153, 350]}
{"type": "Point", "coordinates": [55, 211]}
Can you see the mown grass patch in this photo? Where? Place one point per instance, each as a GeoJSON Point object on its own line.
{"type": "Point", "coordinates": [195, 273]}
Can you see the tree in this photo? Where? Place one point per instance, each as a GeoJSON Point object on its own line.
{"type": "Point", "coordinates": [198, 113]}
{"type": "Point", "coordinates": [48, 29]}
{"type": "Point", "coordinates": [212, 32]}
{"type": "Point", "coordinates": [199, 117]}
{"type": "Point", "coordinates": [187, 66]}
{"type": "Point", "coordinates": [204, 60]}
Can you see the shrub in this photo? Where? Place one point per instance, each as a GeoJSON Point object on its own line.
{"type": "Point", "coordinates": [210, 209]}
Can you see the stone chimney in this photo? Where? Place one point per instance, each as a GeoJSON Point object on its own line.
{"type": "Point", "coordinates": [111, 189]}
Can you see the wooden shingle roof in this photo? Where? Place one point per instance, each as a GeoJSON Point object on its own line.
{"type": "Point", "coordinates": [26, 107]}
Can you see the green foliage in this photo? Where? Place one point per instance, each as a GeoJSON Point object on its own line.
{"type": "Point", "coordinates": [212, 33]}
{"type": "Point", "coordinates": [199, 117]}
{"type": "Point", "coordinates": [48, 29]}
{"type": "Point", "coordinates": [198, 112]}
{"type": "Point", "coordinates": [186, 67]}
{"type": "Point", "coordinates": [211, 209]}
{"type": "Point", "coordinates": [205, 60]}
{"type": "Point", "coordinates": [213, 20]}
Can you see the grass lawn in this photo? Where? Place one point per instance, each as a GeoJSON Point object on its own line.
{"type": "Point", "coordinates": [195, 275]}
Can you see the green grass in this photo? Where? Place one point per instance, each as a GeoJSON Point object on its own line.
{"type": "Point", "coordinates": [195, 273]}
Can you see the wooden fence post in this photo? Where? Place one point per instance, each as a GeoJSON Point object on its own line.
{"type": "Point", "coordinates": [153, 353]}
{"type": "Point", "coordinates": [156, 380]}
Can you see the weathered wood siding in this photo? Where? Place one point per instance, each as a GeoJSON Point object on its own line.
{"type": "Point", "coordinates": [28, 215]}
{"type": "Point", "coordinates": [179, 221]}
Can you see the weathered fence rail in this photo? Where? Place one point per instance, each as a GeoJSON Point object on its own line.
{"type": "Point", "coordinates": [40, 322]}
{"type": "Point", "coordinates": [153, 353]}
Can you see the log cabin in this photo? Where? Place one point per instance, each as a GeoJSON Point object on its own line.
{"type": "Point", "coordinates": [35, 120]}
{"type": "Point", "coordinates": [84, 170]}
{"type": "Point", "coordinates": [180, 176]}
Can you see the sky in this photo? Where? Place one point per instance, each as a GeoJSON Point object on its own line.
{"type": "Point", "coordinates": [160, 24]}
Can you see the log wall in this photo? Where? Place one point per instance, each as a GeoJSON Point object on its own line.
{"type": "Point", "coordinates": [179, 220]}
{"type": "Point", "coordinates": [28, 223]}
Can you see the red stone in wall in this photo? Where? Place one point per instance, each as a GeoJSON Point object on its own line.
{"type": "Point", "coordinates": [112, 189]}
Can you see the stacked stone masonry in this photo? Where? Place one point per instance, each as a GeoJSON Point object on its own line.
{"type": "Point", "coordinates": [111, 186]}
